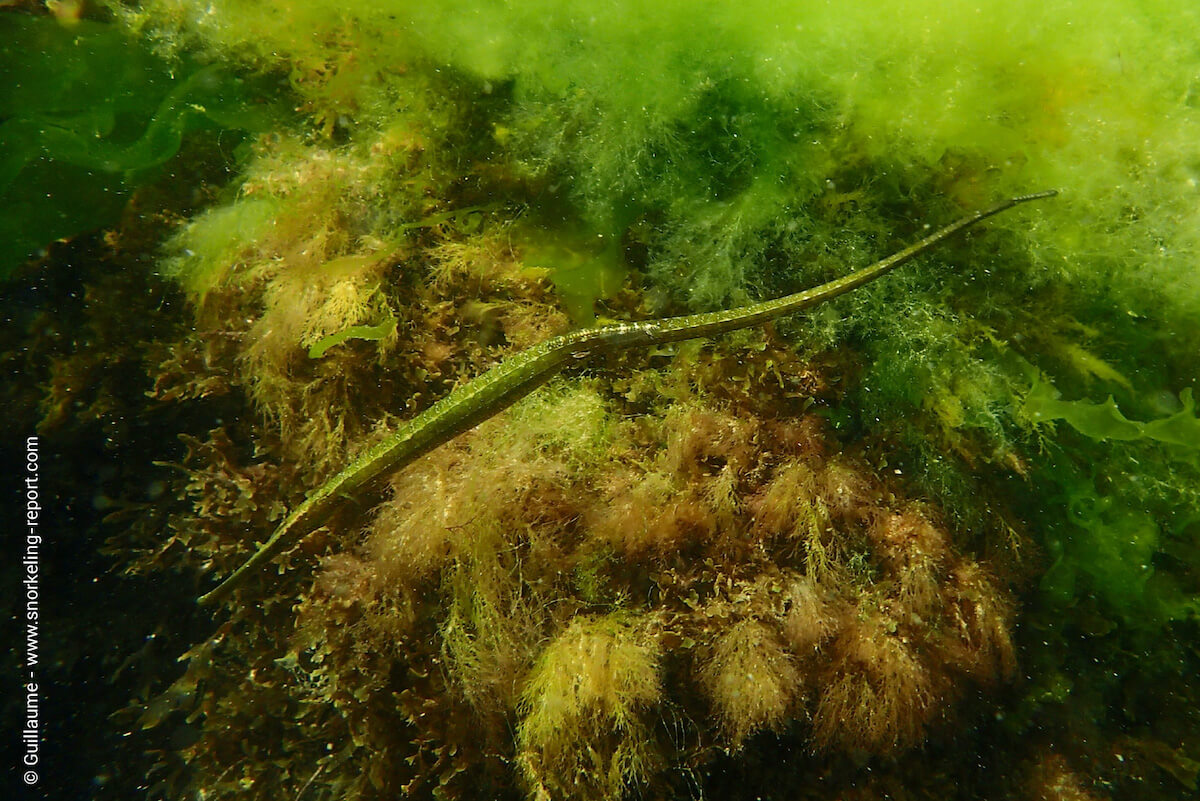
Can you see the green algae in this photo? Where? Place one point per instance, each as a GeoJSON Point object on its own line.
{"type": "Point", "coordinates": [1104, 421]}
{"type": "Point", "coordinates": [370, 333]}
{"type": "Point", "coordinates": [87, 115]}
{"type": "Point", "coordinates": [1116, 521]}
{"type": "Point", "coordinates": [202, 254]}
{"type": "Point", "coordinates": [585, 267]}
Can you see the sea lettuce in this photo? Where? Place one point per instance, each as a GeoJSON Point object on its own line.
{"type": "Point", "coordinates": [86, 115]}
{"type": "Point", "coordinates": [1104, 421]}
{"type": "Point", "coordinates": [371, 333]}
{"type": "Point", "coordinates": [1118, 521]}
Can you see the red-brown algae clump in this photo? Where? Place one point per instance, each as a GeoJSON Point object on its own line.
{"type": "Point", "coordinates": [782, 586]}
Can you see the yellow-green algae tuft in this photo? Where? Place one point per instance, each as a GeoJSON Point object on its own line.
{"type": "Point", "coordinates": [584, 729]}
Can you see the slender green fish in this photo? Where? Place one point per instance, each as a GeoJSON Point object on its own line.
{"type": "Point", "coordinates": [520, 374]}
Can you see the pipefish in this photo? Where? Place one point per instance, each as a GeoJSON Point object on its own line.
{"type": "Point", "coordinates": [518, 375]}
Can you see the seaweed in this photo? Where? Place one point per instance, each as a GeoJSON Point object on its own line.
{"type": "Point", "coordinates": [1104, 421]}
{"type": "Point", "coordinates": [371, 333]}
{"type": "Point", "coordinates": [88, 114]}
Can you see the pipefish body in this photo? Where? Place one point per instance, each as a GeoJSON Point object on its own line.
{"type": "Point", "coordinates": [518, 375]}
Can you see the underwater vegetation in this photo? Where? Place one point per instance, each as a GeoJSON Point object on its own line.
{"type": "Point", "coordinates": [524, 372]}
{"type": "Point", "coordinates": [937, 538]}
{"type": "Point", "coordinates": [87, 115]}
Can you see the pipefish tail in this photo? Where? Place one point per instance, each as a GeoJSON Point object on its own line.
{"type": "Point", "coordinates": [520, 374]}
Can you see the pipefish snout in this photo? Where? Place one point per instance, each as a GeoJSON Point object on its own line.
{"type": "Point", "coordinates": [520, 374]}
